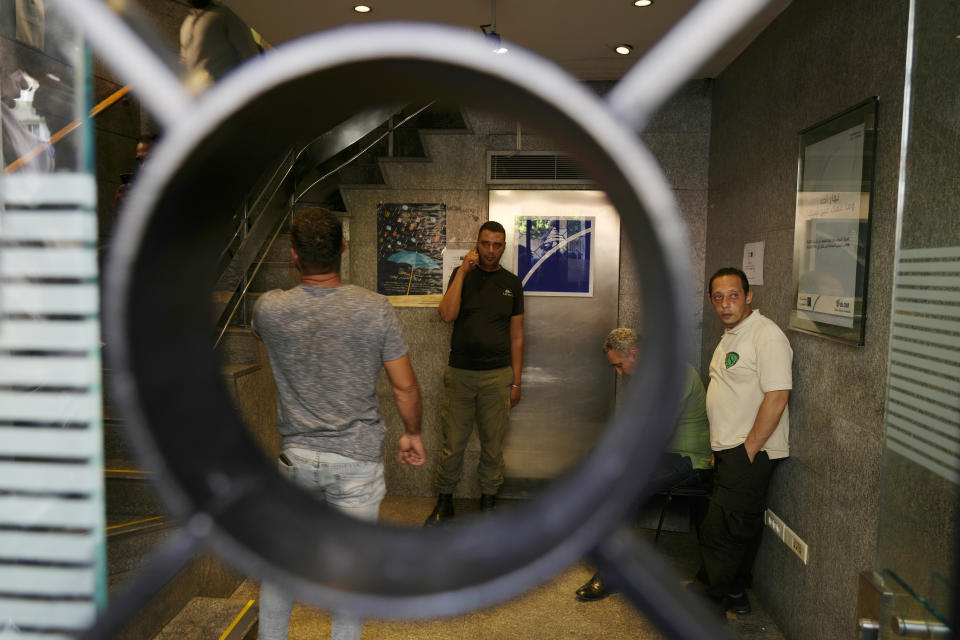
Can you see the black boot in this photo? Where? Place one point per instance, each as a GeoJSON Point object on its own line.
{"type": "Point", "coordinates": [594, 589]}
{"type": "Point", "coordinates": [488, 502]}
{"type": "Point", "coordinates": [442, 512]}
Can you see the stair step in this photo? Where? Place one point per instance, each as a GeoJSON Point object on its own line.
{"type": "Point", "coordinates": [115, 445]}
{"type": "Point", "coordinates": [280, 251]}
{"type": "Point", "coordinates": [212, 618]}
{"type": "Point", "coordinates": [238, 347]}
{"type": "Point", "coordinates": [129, 491]}
{"type": "Point", "coordinates": [130, 540]}
{"type": "Point", "coordinates": [243, 315]}
{"type": "Point", "coordinates": [278, 274]}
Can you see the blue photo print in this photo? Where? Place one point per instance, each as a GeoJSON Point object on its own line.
{"type": "Point", "coordinates": [554, 255]}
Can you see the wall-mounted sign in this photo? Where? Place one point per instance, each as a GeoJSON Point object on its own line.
{"type": "Point", "coordinates": [832, 230]}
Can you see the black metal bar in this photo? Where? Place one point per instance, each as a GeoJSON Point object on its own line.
{"type": "Point", "coordinates": [162, 566]}
{"type": "Point", "coordinates": [633, 567]}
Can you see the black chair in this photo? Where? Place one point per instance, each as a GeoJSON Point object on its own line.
{"type": "Point", "coordinates": [698, 486]}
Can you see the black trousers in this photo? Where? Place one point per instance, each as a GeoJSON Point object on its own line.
{"type": "Point", "coordinates": [730, 532]}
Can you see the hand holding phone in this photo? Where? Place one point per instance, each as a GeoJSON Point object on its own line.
{"type": "Point", "coordinates": [471, 260]}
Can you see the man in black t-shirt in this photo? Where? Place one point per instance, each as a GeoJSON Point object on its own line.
{"type": "Point", "coordinates": [485, 303]}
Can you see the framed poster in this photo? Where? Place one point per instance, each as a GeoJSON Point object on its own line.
{"type": "Point", "coordinates": [410, 242]}
{"type": "Point", "coordinates": [832, 228]}
{"type": "Point", "coordinates": [554, 255]}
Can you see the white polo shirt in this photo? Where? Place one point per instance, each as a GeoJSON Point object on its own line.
{"type": "Point", "coordinates": [752, 358]}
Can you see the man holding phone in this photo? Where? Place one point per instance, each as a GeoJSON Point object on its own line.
{"type": "Point", "coordinates": [484, 302]}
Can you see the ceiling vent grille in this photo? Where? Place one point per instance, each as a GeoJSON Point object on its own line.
{"type": "Point", "coordinates": [533, 167]}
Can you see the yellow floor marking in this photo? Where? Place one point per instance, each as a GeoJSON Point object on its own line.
{"type": "Point", "coordinates": [130, 524]}
{"type": "Point", "coordinates": [236, 620]}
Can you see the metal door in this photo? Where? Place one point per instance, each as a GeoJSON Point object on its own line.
{"type": "Point", "coordinates": [568, 386]}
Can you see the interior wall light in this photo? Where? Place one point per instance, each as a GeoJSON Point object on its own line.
{"type": "Point", "coordinates": [490, 30]}
{"type": "Point", "coordinates": [643, 3]}
{"type": "Point", "coordinates": [362, 8]}
{"type": "Point", "coordinates": [623, 49]}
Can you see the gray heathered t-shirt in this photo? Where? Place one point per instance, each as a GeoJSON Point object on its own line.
{"type": "Point", "coordinates": [326, 347]}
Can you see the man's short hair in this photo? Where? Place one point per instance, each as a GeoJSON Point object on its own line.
{"type": "Point", "coordinates": [317, 237]}
{"type": "Point", "coordinates": [621, 340]}
{"type": "Point", "coordinates": [730, 271]}
{"type": "Point", "coordinates": [492, 225]}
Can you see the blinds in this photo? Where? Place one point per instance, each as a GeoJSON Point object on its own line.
{"type": "Point", "coordinates": [923, 395]}
{"type": "Point", "coordinates": [52, 566]}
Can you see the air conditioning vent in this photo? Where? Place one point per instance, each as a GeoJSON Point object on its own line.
{"type": "Point", "coordinates": [536, 167]}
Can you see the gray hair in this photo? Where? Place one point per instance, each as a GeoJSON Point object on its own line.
{"type": "Point", "coordinates": [620, 340]}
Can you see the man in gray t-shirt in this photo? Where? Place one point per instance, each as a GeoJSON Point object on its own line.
{"type": "Point", "coordinates": [327, 342]}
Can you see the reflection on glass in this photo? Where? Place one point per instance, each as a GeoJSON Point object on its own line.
{"type": "Point", "coordinates": [920, 499]}
{"type": "Point", "coordinates": [51, 470]}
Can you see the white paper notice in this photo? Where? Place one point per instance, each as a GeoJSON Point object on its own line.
{"type": "Point", "coordinates": [753, 262]}
{"type": "Point", "coordinates": [451, 260]}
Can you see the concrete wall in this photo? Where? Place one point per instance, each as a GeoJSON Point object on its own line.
{"type": "Point", "coordinates": [454, 173]}
{"type": "Point", "coordinates": [816, 59]}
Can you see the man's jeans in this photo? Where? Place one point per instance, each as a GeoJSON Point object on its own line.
{"type": "Point", "coordinates": [353, 487]}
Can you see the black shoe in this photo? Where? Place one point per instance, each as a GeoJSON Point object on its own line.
{"type": "Point", "coordinates": [595, 589]}
{"type": "Point", "coordinates": [713, 604]}
{"type": "Point", "coordinates": [738, 603]}
{"type": "Point", "coordinates": [488, 502]}
{"type": "Point", "coordinates": [442, 512]}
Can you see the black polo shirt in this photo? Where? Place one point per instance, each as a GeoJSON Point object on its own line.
{"type": "Point", "coordinates": [481, 333]}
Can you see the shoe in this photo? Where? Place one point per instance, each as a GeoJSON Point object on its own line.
{"type": "Point", "coordinates": [595, 589]}
{"type": "Point", "coordinates": [488, 502]}
{"type": "Point", "coordinates": [442, 512]}
{"type": "Point", "coordinates": [713, 604]}
{"type": "Point", "coordinates": [738, 603]}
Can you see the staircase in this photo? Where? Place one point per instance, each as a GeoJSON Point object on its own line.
{"type": "Point", "coordinates": [197, 603]}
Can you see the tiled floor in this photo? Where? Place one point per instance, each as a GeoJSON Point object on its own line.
{"type": "Point", "coordinates": [549, 611]}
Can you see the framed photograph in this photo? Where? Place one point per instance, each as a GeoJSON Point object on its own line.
{"type": "Point", "coordinates": [832, 231]}
{"type": "Point", "coordinates": [554, 255]}
{"type": "Point", "coordinates": [410, 242]}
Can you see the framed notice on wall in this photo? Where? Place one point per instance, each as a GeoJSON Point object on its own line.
{"type": "Point", "coordinates": [832, 228]}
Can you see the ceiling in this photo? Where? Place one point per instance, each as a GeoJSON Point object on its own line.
{"type": "Point", "coordinates": [579, 35]}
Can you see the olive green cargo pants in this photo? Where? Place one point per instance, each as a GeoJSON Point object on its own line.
{"type": "Point", "coordinates": [469, 395]}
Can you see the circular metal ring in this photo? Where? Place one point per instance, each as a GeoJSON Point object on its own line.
{"type": "Point", "coordinates": [167, 381]}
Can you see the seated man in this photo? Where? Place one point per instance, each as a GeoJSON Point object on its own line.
{"type": "Point", "coordinates": [688, 452]}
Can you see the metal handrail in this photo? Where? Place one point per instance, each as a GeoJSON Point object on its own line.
{"type": "Point", "coordinates": [247, 281]}
{"type": "Point", "coordinates": [286, 161]}
{"type": "Point", "coordinates": [390, 130]}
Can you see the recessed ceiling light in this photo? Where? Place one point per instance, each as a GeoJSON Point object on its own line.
{"type": "Point", "coordinates": [643, 3]}
{"type": "Point", "coordinates": [362, 8]}
{"type": "Point", "coordinates": [623, 49]}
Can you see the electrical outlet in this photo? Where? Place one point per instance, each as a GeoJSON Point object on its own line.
{"type": "Point", "coordinates": [785, 533]}
{"type": "Point", "coordinates": [774, 522]}
{"type": "Point", "coordinates": [798, 546]}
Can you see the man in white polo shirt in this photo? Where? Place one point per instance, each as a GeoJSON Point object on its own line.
{"type": "Point", "coordinates": [750, 382]}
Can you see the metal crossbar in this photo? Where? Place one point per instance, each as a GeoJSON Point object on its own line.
{"type": "Point", "coordinates": [212, 474]}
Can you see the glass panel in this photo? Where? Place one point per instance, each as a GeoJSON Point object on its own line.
{"type": "Point", "coordinates": [918, 516]}
{"type": "Point", "coordinates": [51, 469]}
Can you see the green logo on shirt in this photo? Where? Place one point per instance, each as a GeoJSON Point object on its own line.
{"type": "Point", "coordinates": [732, 358]}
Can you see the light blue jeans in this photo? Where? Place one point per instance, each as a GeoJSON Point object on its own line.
{"type": "Point", "coordinates": [351, 486]}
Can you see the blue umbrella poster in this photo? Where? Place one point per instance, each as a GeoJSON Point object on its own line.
{"type": "Point", "coordinates": [410, 242]}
